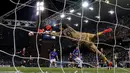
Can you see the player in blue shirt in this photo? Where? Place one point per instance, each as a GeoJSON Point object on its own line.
{"type": "Point", "coordinates": [53, 55]}
{"type": "Point", "coordinates": [76, 57]}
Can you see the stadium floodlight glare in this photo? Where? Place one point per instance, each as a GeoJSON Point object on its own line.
{"type": "Point", "coordinates": [107, 1]}
{"type": "Point", "coordinates": [111, 12]}
{"type": "Point", "coordinates": [72, 10]}
{"type": "Point", "coordinates": [69, 18]}
{"type": "Point", "coordinates": [98, 17]}
{"type": "Point", "coordinates": [62, 15]}
{"type": "Point", "coordinates": [37, 13]}
{"type": "Point", "coordinates": [38, 4]}
{"type": "Point", "coordinates": [91, 8]}
{"type": "Point", "coordinates": [85, 4]}
{"type": "Point", "coordinates": [86, 21]}
{"type": "Point", "coordinates": [76, 25]}
{"type": "Point", "coordinates": [40, 7]}
{"type": "Point", "coordinates": [79, 13]}
{"type": "Point", "coordinates": [41, 3]}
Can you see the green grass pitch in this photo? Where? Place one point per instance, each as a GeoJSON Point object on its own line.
{"type": "Point", "coordinates": [59, 70]}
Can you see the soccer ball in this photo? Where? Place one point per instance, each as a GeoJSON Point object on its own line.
{"type": "Point", "coordinates": [31, 33]}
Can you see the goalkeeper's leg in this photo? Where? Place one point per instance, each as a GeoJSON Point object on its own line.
{"type": "Point", "coordinates": [94, 49]}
